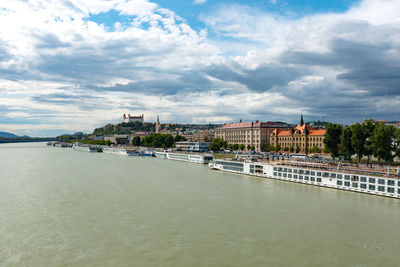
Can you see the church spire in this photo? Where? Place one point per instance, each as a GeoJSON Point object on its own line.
{"type": "Point", "coordinates": [301, 120]}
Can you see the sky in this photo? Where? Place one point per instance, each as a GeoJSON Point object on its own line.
{"type": "Point", "coordinates": [74, 65]}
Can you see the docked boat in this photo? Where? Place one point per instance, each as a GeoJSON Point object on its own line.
{"type": "Point", "coordinates": [375, 182]}
{"type": "Point", "coordinates": [188, 157]}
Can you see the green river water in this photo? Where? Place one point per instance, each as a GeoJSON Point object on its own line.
{"type": "Point", "coordinates": [60, 207]}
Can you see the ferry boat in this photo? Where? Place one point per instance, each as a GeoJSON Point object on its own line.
{"type": "Point", "coordinates": [86, 148]}
{"type": "Point", "coordinates": [375, 182]}
{"type": "Point", "coordinates": [187, 157]}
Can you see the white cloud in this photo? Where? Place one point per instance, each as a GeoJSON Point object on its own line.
{"type": "Point", "coordinates": [199, 2]}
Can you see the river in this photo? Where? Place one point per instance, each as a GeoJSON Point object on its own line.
{"type": "Point", "coordinates": [60, 207]}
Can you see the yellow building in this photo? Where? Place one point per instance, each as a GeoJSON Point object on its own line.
{"type": "Point", "coordinates": [302, 136]}
{"type": "Point", "coordinates": [247, 133]}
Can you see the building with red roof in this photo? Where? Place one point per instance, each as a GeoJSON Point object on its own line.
{"type": "Point", "coordinates": [301, 138]}
{"type": "Point", "coordinates": [250, 134]}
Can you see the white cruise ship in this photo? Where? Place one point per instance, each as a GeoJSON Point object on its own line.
{"type": "Point", "coordinates": [188, 157]}
{"type": "Point", "coordinates": [356, 180]}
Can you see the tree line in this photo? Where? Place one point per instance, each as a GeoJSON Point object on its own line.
{"type": "Point", "coordinates": [158, 140]}
{"type": "Point", "coordinates": [369, 138]}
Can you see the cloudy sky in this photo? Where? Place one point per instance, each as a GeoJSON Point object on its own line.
{"type": "Point", "coordinates": [70, 65]}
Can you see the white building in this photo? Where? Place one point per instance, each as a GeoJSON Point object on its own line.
{"type": "Point", "coordinates": [130, 118]}
{"type": "Point", "coordinates": [192, 146]}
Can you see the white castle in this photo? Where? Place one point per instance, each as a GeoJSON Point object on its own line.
{"type": "Point", "coordinates": [130, 118]}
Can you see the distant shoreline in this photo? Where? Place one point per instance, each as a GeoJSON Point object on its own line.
{"type": "Point", "coordinates": [26, 140]}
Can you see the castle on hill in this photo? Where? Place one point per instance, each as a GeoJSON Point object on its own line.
{"type": "Point", "coordinates": [130, 118]}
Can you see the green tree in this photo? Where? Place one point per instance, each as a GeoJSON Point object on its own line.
{"type": "Point", "coordinates": [369, 126]}
{"type": "Point", "coordinates": [277, 147]}
{"type": "Point", "coordinates": [179, 138]}
{"type": "Point", "coordinates": [263, 147]}
{"type": "Point", "coordinates": [358, 139]}
{"type": "Point", "coordinates": [397, 143]}
{"type": "Point", "coordinates": [383, 141]}
{"type": "Point", "coordinates": [252, 148]}
{"type": "Point", "coordinates": [241, 147]}
{"type": "Point", "coordinates": [291, 149]}
{"type": "Point", "coordinates": [297, 149]}
{"type": "Point", "coordinates": [217, 144]}
{"type": "Point", "coordinates": [136, 141]}
{"type": "Point", "coordinates": [286, 148]}
{"type": "Point", "coordinates": [248, 147]}
{"type": "Point", "coordinates": [346, 143]}
{"type": "Point", "coordinates": [332, 138]}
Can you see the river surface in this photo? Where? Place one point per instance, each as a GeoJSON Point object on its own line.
{"type": "Point", "coordinates": [60, 207]}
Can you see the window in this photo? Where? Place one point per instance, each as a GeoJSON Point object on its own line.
{"type": "Point", "coordinates": [333, 175]}
{"type": "Point", "coordinates": [319, 180]}
{"type": "Point", "coordinates": [306, 178]}
{"type": "Point", "coordinates": [339, 176]}
{"type": "Point", "coordinates": [300, 177]}
{"type": "Point", "coordinates": [284, 169]}
{"type": "Point", "coordinates": [355, 185]}
{"type": "Point", "coordinates": [398, 183]}
{"type": "Point", "coordinates": [279, 169]}
{"type": "Point", "coordinates": [381, 188]}
{"type": "Point", "coordinates": [347, 177]}
{"type": "Point", "coordinates": [354, 178]}
{"type": "Point", "coordinates": [275, 173]}
{"type": "Point", "coordinates": [294, 170]}
{"type": "Point", "coordinates": [312, 173]}
{"type": "Point", "coordinates": [295, 176]}
{"type": "Point", "coordinates": [347, 183]}
{"type": "Point", "coordinates": [381, 181]}
{"type": "Point", "coordinates": [307, 173]}
{"type": "Point", "coordinates": [285, 175]}
{"type": "Point", "coordinates": [279, 174]}
{"type": "Point", "coordinates": [390, 189]}
{"type": "Point", "coordinates": [390, 182]}
{"type": "Point", "coordinates": [325, 174]}
{"type": "Point", "coordinates": [363, 179]}
{"type": "Point", "coordinates": [312, 179]}
{"type": "Point", "coordinates": [398, 191]}
{"type": "Point", "coordinates": [371, 180]}
{"type": "Point", "coordinates": [301, 171]}
{"type": "Point", "coordinates": [289, 170]}
{"type": "Point", "coordinates": [363, 186]}
{"type": "Point", "coordinates": [289, 175]}
{"type": "Point", "coordinates": [371, 187]}
{"type": "Point", "coordinates": [338, 182]}
{"type": "Point", "coordinates": [319, 173]}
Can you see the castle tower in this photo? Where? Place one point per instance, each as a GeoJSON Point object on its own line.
{"type": "Point", "coordinates": [158, 125]}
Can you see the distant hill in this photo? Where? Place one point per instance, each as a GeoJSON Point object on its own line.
{"type": "Point", "coordinates": [8, 135]}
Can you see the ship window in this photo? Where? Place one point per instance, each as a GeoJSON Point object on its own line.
{"type": "Point", "coordinates": [354, 185]}
{"type": "Point", "coordinates": [347, 177]}
{"type": "Point", "coordinates": [279, 174]}
{"type": "Point", "coordinates": [275, 173]}
{"type": "Point", "coordinates": [354, 178]}
{"type": "Point", "coordinates": [295, 176]}
{"type": "Point", "coordinates": [319, 180]}
{"type": "Point", "coordinates": [306, 178]}
{"type": "Point", "coordinates": [300, 177]}
{"type": "Point", "coordinates": [398, 191]}
{"type": "Point", "coordinates": [371, 180]}
{"type": "Point", "coordinates": [285, 170]}
{"type": "Point", "coordinates": [289, 175]}
{"type": "Point", "coordinates": [371, 187]}
{"type": "Point", "coordinates": [307, 173]}
{"type": "Point", "coordinates": [325, 174]}
{"type": "Point", "coordinates": [333, 175]}
{"type": "Point", "coordinates": [363, 186]}
{"type": "Point", "coordinates": [319, 173]}
{"type": "Point", "coordinates": [279, 169]}
{"type": "Point", "coordinates": [312, 173]}
{"type": "Point", "coordinates": [294, 170]}
{"type": "Point", "coordinates": [390, 182]}
{"type": "Point", "coordinates": [339, 182]}
{"type": "Point", "coordinates": [363, 179]}
{"type": "Point", "coordinates": [398, 183]}
{"type": "Point", "coordinates": [301, 171]}
{"type": "Point", "coordinates": [285, 175]}
{"type": "Point", "coordinates": [275, 168]}
{"type": "Point", "coordinates": [390, 190]}
{"type": "Point", "coordinates": [339, 176]}
{"type": "Point", "coordinates": [347, 183]}
{"type": "Point", "coordinates": [312, 179]}
{"type": "Point", "coordinates": [289, 170]}
{"type": "Point", "coordinates": [381, 181]}
{"type": "Point", "coordinates": [381, 188]}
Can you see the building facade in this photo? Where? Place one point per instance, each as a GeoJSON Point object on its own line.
{"type": "Point", "coordinates": [301, 138]}
{"type": "Point", "coordinates": [129, 118]}
{"type": "Point", "coordinates": [203, 136]}
{"type": "Point", "coordinates": [247, 133]}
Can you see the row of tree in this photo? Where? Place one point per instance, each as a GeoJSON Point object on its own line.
{"type": "Point", "coordinates": [158, 140]}
{"type": "Point", "coordinates": [368, 139]}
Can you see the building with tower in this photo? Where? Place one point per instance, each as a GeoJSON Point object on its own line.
{"type": "Point", "coordinates": [158, 125]}
{"type": "Point", "coordinates": [301, 138]}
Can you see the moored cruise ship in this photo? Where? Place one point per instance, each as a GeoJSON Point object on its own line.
{"type": "Point", "coordinates": [344, 178]}
{"type": "Point", "coordinates": [188, 157]}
